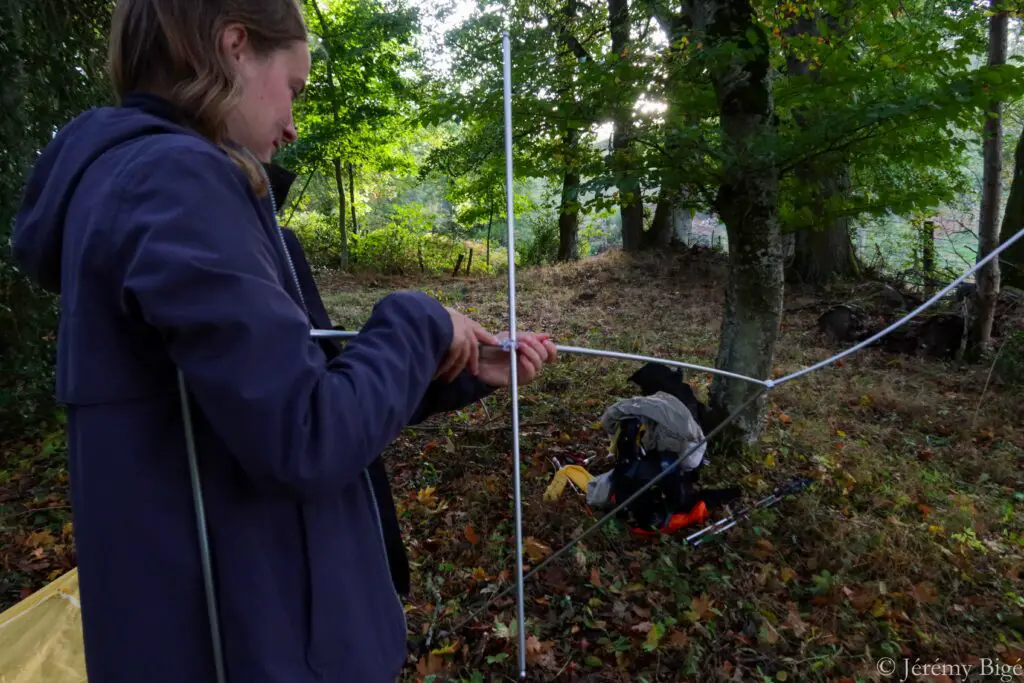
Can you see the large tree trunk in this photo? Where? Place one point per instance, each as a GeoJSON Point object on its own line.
{"type": "Point", "coordinates": [569, 208]}
{"type": "Point", "coordinates": [988, 227]}
{"type": "Point", "coordinates": [631, 205]}
{"type": "Point", "coordinates": [569, 212]}
{"type": "Point", "coordinates": [343, 263]}
{"type": "Point", "coordinates": [824, 254]}
{"type": "Point", "coordinates": [821, 253]}
{"type": "Point", "coordinates": [660, 234]}
{"type": "Point", "coordinates": [682, 226]}
{"type": "Point", "coordinates": [747, 201]}
{"type": "Point", "coordinates": [1012, 269]}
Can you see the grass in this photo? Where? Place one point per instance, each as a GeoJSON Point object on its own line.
{"type": "Point", "coordinates": [908, 545]}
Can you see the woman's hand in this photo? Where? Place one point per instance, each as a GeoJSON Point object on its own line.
{"type": "Point", "coordinates": [534, 351]}
{"type": "Point", "coordinates": [467, 335]}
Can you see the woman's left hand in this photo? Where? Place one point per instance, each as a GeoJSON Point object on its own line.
{"type": "Point", "coordinates": [534, 351]}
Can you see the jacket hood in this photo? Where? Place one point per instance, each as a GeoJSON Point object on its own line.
{"type": "Point", "coordinates": [36, 242]}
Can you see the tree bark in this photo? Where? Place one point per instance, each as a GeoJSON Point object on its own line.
{"type": "Point", "coordinates": [660, 234]}
{"type": "Point", "coordinates": [569, 210]}
{"type": "Point", "coordinates": [1012, 270]}
{"type": "Point", "coordinates": [682, 226]}
{"type": "Point", "coordinates": [821, 253]}
{"type": "Point", "coordinates": [747, 201]}
{"type": "Point", "coordinates": [352, 196]}
{"type": "Point", "coordinates": [343, 263]}
{"type": "Point", "coordinates": [988, 227]}
{"type": "Point", "coordinates": [569, 216]}
{"type": "Point", "coordinates": [631, 207]}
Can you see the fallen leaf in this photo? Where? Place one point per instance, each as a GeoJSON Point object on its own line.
{"type": "Point", "coordinates": [925, 593]}
{"type": "Point", "coordinates": [430, 665]}
{"type": "Point", "coordinates": [40, 539]}
{"type": "Point", "coordinates": [786, 574]}
{"type": "Point", "coordinates": [534, 648]}
{"type": "Point", "coordinates": [785, 419]}
{"type": "Point", "coordinates": [471, 535]}
{"type": "Point", "coordinates": [426, 496]}
{"type": "Point", "coordinates": [535, 549]}
{"type": "Point", "coordinates": [678, 640]}
{"type": "Point", "coordinates": [595, 578]}
{"type": "Point", "coordinates": [794, 623]}
{"type": "Point", "coordinates": [479, 574]}
{"type": "Point", "coordinates": [700, 606]}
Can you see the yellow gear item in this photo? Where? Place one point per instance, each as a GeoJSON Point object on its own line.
{"type": "Point", "coordinates": [41, 636]}
{"type": "Point", "coordinates": [577, 474]}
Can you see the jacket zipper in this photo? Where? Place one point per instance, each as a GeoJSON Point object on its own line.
{"type": "Point", "coordinates": [366, 472]}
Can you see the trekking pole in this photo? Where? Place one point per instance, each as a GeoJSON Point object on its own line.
{"type": "Point", "coordinates": [794, 486]}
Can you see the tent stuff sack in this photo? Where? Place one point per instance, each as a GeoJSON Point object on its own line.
{"type": "Point", "coordinates": [41, 636]}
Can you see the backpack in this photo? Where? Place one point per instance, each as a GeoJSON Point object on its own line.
{"type": "Point", "coordinates": [649, 434]}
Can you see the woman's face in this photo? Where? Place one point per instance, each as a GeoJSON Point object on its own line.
{"type": "Point", "coordinates": [262, 119]}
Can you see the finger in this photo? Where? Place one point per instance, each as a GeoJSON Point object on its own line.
{"type": "Point", "coordinates": [529, 356]}
{"type": "Point", "coordinates": [482, 336]}
{"type": "Point", "coordinates": [537, 346]}
{"type": "Point", "coordinates": [552, 352]}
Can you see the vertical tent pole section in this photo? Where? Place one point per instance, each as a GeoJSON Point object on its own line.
{"type": "Point", "coordinates": [514, 385]}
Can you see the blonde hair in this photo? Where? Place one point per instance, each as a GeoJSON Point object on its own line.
{"type": "Point", "coordinates": [170, 48]}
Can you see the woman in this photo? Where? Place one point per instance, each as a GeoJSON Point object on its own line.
{"type": "Point", "coordinates": [153, 221]}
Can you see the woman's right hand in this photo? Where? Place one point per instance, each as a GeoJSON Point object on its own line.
{"type": "Point", "coordinates": [467, 335]}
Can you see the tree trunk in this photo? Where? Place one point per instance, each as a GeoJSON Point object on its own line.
{"type": "Point", "coordinates": [490, 222]}
{"type": "Point", "coordinates": [660, 234]}
{"type": "Point", "coordinates": [343, 264]}
{"type": "Point", "coordinates": [926, 236]}
{"type": "Point", "coordinates": [821, 253]}
{"type": "Point", "coordinates": [569, 210]}
{"type": "Point", "coordinates": [747, 201]}
{"type": "Point", "coordinates": [1012, 270]}
{"type": "Point", "coordinates": [682, 226]}
{"type": "Point", "coordinates": [631, 207]}
{"type": "Point", "coordinates": [988, 227]}
{"type": "Point", "coordinates": [352, 196]}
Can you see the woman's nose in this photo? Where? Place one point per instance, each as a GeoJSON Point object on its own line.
{"type": "Point", "coordinates": [290, 134]}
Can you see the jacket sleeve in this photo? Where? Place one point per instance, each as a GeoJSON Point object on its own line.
{"type": "Point", "coordinates": [203, 270]}
{"type": "Point", "coordinates": [442, 397]}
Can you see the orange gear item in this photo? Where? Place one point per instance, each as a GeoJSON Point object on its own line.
{"type": "Point", "coordinates": [679, 520]}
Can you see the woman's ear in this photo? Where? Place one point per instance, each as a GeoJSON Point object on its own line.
{"type": "Point", "coordinates": [233, 41]}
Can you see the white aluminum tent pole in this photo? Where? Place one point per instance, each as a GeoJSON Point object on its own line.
{"type": "Point", "coordinates": [514, 383]}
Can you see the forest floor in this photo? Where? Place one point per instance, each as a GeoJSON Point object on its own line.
{"type": "Point", "coordinates": [909, 545]}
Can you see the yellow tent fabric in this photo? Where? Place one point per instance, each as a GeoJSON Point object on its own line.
{"type": "Point", "coordinates": [41, 636]}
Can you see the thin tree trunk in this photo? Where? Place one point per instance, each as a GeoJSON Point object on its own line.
{"type": "Point", "coordinates": [631, 207]}
{"type": "Point", "coordinates": [1012, 268]}
{"type": "Point", "coordinates": [747, 201]}
{"type": "Point", "coordinates": [352, 196]}
{"type": "Point", "coordinates": [343, 264]}
{"type": "Point", "coordinates": [490, 222]}
{"type": "Point", "coordinates": [988, 228]}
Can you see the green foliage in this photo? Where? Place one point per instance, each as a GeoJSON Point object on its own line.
{"type": "Point", "coordinates": [1009, 364]}
{"type": "Point", "coordinates": [404, 245]}
{"type": "Point", "coordinates": [46, 82]}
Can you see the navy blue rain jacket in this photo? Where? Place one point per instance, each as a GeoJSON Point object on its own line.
{"type": "Point", "coordinates": [165, 258]}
